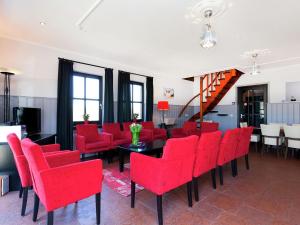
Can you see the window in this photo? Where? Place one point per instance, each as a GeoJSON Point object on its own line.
{"type": "Point", "coordinates": [87, 97]}
{"type": "Point", "coordinates": [137, 99]}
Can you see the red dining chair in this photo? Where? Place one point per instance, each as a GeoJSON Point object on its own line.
{"type": "Point", "coordinates": [89, 140]}
{"type": "Point", "coordinates": [160, 175]}
{"type": "Point", "coordinates": [208, 127]}
{"type": "Point", "coordinates": [243, 146]}
{"type": "Point", "coordinates": [118, 137]}
{"type": "Point", "coordinates": [188, 128]}
{"type": "Point", "coordinates": [227, 151]}
{"type": "Point", "coordinates": [158, 133]}
{"type": "Point", "coordinates": [60, 186]}
{"type": "Point", "coordinates": [54, 156]}
{"type": "Point", "coordinates": [206, 158]}
{"type": "Point", "coordinates": [145, 135]}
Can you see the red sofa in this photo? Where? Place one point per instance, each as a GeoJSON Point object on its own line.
{"type": "Point", "coordinates": [145, 135]}
{"type": "Point", "coordinates": [60, 186]}
{"type": "Point", "coordinates": [158, 133]}
{"type": "Point", "coordinates": [53, 155]}
{"type": "Point", "coordinates": [118, 137]}
{"type": "Point", "coordinates": [188, 128]}
{"type": "Point", "coordinates": [89, 140]}
{"type": "Point", "coordinates": [206, 158]}
{"type": "Point", "coordinates": [160, 175]}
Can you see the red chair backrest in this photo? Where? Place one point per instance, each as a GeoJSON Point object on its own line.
{"type": "Point", "coordinates": [20, 160]}
{"type": "Point", "coordinates": [207, 152]}
{"type": "Point", "coordinates": [244, 141]}
{"type": "Point", "coordinates": [89, 131]}
{"type": "Point", "coordinates": [148, 125]}
{"type": "Point", "coordinates": [36, 160]}
{"type": "Point", "coordinates": [228, 146]}
{"type": "Point", "coordinates": [112, 128]}
{"type": "Point", "coordinates": [208, 127]}
{"type": "Point", "coordinates": [189, 126]}
{"type": "Point", "coordinates": [180, 152]}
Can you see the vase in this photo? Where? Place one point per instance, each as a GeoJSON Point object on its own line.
{"type": "Point", "coordinates": [135, 138]}
{"type": "Point", "coordinates": [86, 122]}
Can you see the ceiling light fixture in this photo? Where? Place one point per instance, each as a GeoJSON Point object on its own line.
{"type": "Point", "coordinates": [255, 67]}
{"type": "Point", "coordinates": [42, 23]}
{"type": "Point", "coordinates": [208, 39]}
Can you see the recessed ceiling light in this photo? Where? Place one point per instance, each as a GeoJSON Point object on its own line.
{"type": "Point", "coordinates": [42, 23]}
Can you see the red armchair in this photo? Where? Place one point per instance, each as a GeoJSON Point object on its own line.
{"type": "Point", "coordinates": [188, 128]}
{"type": "Point", "coordinates": [158, 133]}
{"type": "Point", "coordinates": [206, 158]}
{"type": "Point", "coordinates": [243, 146]}
{"type": "Point", "coordinates": [60, 186]}
{"type": "Point", "coordinates": [227, 151]}
{"type": "Point", "coordinates": [145, 135]}
{"type": "Point", "coordinates": [88, 140]}
{"type": "Point", "coordinates": [160, 175]}
{"type": "Point", "coordinates": [118, 137]}
{"type": "Point", "coordinates": [53, 155]}
{"type": "Point", "coordinates": [208, 127]}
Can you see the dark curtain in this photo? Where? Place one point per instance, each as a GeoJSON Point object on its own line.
{"type": "Point", "coordinates": [124, 111]}
{"type": "Point", "coordinates": [108, 96]}
{"type": "Point", "coordinates": [64, 127]}
{"type": "Point", "coordinates": [149, 99]}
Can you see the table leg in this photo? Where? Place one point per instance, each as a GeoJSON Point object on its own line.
{"type": "Point", "coordinates": [121, 160]}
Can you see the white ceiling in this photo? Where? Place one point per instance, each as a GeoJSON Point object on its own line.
{"type": "Point", "coordinates": [155, 34]}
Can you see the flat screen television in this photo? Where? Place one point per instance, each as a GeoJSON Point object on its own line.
{"type": "Point", "coordinates": [30, 117]}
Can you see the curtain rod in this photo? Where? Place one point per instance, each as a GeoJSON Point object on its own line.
{"type": "Point", "coordinates": [88, 64]}
{"type": "Point", "coordinates": [135, 74]}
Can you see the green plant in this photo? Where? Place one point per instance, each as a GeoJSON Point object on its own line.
{"type": "Point", "coordinates": [86, 117]}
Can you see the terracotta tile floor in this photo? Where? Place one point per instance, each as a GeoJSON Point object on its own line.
{"type": "Point", "coordinates": [269, 193]}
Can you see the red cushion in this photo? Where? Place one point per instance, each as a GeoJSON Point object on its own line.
{"type": "Point", "coordinates": [207, 152]}
{"type": "Point", "coordinates": [96, 144]}
{"type": "Point", "coordinates": [89, 131]}
{"type": "Point", "coordinates": [148, 125]}
{"type": "Point", "coordinates": [208, 127]}
{"type": "Point", "coordinates": [15, 144]}
{"type": "Point", "coordinates": [189, 126]}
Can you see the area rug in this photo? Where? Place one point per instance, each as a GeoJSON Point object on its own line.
{"type": "Point", "coordinates": [119, 181]}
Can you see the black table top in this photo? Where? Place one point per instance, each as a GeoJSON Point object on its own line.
{"type": "Point", "coordinates": [146, 147]}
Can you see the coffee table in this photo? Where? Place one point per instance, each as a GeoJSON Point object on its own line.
{"type": "Point", "coordinates": [150, 148]}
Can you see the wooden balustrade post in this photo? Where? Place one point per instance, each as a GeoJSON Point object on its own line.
{"type": "Point", "coordinates": [201, 99]}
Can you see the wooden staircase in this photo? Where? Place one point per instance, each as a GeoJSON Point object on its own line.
{"type": "Point", "coordinates": [213, 87]}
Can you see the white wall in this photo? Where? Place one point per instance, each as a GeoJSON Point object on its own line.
{"type": "Point", "coordinates": [39, 66]}
{"type": "Point", "coordinates": [276, 78]}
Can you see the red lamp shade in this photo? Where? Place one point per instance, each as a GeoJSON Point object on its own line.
{"type": "Point", "coordinates": [163, 105]}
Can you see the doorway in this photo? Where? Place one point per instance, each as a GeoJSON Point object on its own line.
{"type": "Point", "coordinates": [252, 104]}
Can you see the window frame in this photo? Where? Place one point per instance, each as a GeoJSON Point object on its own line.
{"type": "Point", "coordinates": [100, 100]}
{"type": "Point", "coordinates": [142, 102]}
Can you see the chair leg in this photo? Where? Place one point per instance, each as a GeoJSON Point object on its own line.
{"type": "Point", "coordinates": [21, 192]}
{"type": "Point", "coordinates": [221, 174]}
{"type": "Point", "coordinates": [247, 162]}
{"type": "Point", "coordinates": [83, 157]}
{"type": "Point", "coordinates": [213, 178]}
{"type": "Point", "coordinates": [159, 209]}
{"type": "Point", "coordinates": [132, 194]}
{"type": "Point", "coordinates": [233, 168]}
{"type": "Point", "coordinates": [286, 152]}
{"type": "Point", "coordinates": [24, 202]}
{"type": "Point", "coordinates": [256, 146]}
{"type": "Point", "coordinates": [50, 218]}
{"type": "Point", "coordinates": [35, 207]}
{"type": "Point", "coordinates": [189, 193]}
{"type": "Point", "coordinates": [98, 208]}
{"type": "Point", "coordinates": [263, 149]}
{"type": "Point", "coordinates": [195, 183]}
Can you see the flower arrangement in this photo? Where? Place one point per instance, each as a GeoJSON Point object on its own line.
{"type": "Point", "coordinates": [86, 118]}
{"type": "Point", "coordinates": [135, 129]}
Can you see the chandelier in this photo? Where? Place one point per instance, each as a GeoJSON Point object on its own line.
{"type": "Point", "coordinates": [208, 39]}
